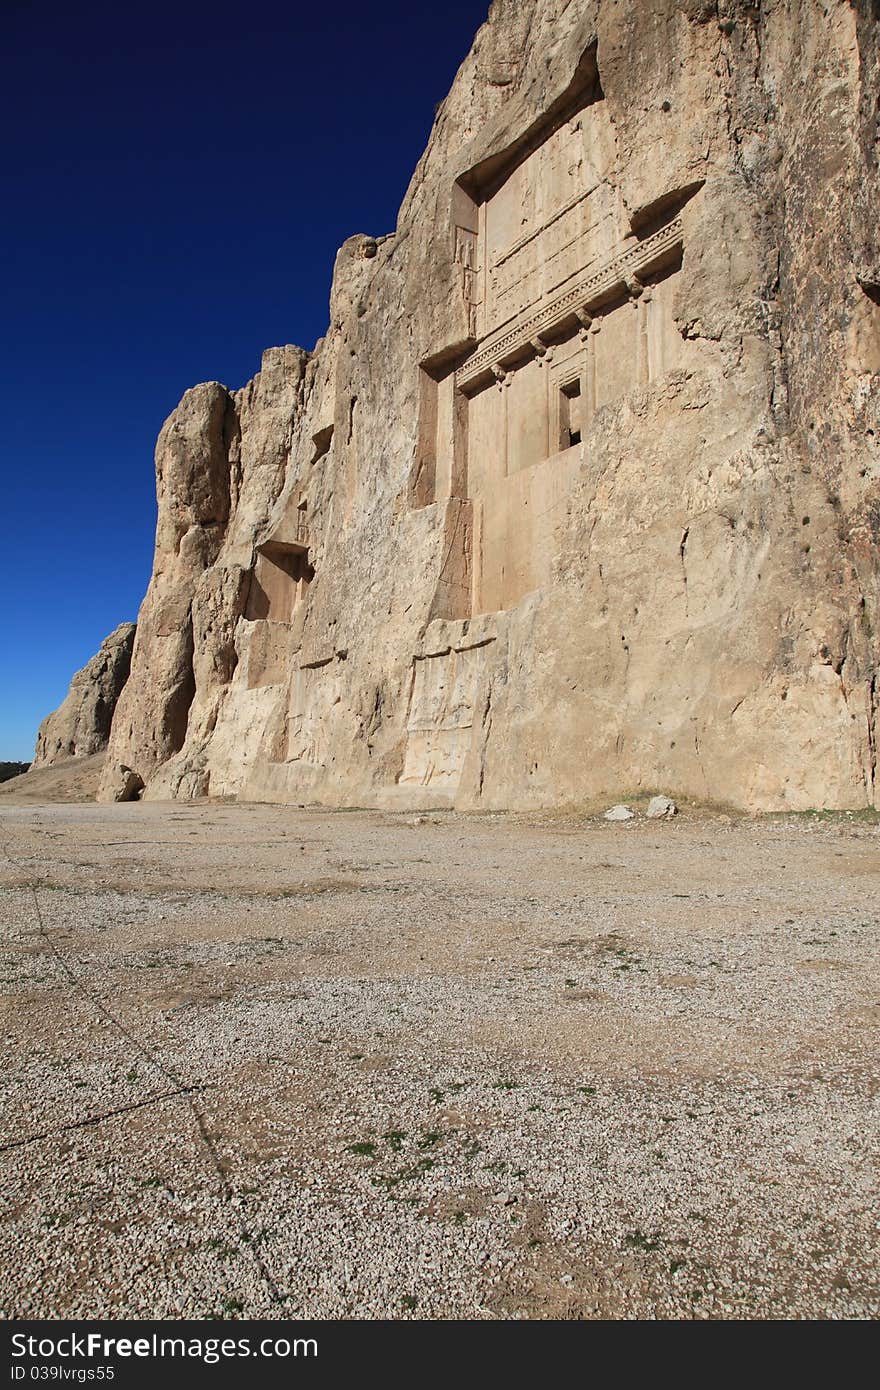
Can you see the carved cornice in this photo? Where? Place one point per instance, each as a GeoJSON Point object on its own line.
{"type": "Point", "coordinates": [589, 291]}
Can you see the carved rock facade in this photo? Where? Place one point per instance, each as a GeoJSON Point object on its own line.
{"type": "Point", "coordinates": [581, 491]}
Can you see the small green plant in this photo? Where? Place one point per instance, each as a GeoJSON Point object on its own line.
{"type": "Point", "coordinates": [637, 1240]}
{"type": "Point", "coordinates": [387, 1180]}
{"type": "Point", "coordinates": [223, 1250]}
{"type": "Point", "coordinates": [364, 1149]}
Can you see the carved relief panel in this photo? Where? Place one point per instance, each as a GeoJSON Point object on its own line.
{"type": "Point", "coordinates": [466, 244]}
{"type": "Point", "coordinates": [553, 217]}
{"type": "Point", "coordinates": [441, 717]}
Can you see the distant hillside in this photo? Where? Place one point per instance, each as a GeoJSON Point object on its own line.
{"type": "Point", "coordinates": [74, 779]}
{"type": "Point", "coordinates": [8, 770]}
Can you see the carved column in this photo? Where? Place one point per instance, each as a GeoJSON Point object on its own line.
{"type": "Point", "coordinates": [587, 384]}
{"type": "Point", "coordinates": [544, 356]}
{"type": "Point", "coordinates": [640, 298]}
{"type": "Point", "coordinates": [590, 326]}
{"type": "Point", "coordinates": [503, 381]}
{"type": "Point", "coordinates": [644, 337]}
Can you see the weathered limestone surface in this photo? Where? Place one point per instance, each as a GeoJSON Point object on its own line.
{"type": "Point", "coordinates": [580, 493]}
{"type": "Point", "coordinates": [81, 724]}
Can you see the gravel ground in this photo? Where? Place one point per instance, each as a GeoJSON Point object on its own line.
{"type": "Point", "coordinates": [270, 1062]}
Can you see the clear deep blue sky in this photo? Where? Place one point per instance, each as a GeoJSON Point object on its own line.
{"type": "Point", "coordinates": [177, 179]}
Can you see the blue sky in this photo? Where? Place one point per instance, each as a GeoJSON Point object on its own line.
{"type": "Point", "coordinates": [177, 180]}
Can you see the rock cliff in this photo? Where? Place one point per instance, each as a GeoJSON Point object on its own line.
{"type": "Point", "coordinates": [81, 724]}
{"type": "Point", "coordinates": [580, 492]}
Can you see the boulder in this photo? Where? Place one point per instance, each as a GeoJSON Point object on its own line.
{"type": "Point", "coordinates": [120, 783]}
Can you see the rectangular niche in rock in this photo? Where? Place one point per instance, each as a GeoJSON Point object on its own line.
{"type": "Point", "coordinates": [438, 471]}
{"type": "Point", "coordinates": [276, 607]}
{"type": "Point", "coordinates": [281, 580]}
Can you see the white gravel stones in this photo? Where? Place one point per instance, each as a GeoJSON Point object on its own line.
{"type": "Point", "coordinates": [490, 1068]}
{"type": "Point", "coordinates": [619, 812]}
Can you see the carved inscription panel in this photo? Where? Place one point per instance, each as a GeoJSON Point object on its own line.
{"type": "Point", "coordinates": [441, 716]}
{"type": "Point", "coordinates": [553, 217]}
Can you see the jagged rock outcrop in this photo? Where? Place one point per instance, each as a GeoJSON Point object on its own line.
{"type": "Point", "coordinates": [81, 724]}
{"type": "Point", "coordinates": [581, 490]}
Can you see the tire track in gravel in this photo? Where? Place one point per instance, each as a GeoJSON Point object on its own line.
{"type": "Point", "coordinates": [180, 1088]}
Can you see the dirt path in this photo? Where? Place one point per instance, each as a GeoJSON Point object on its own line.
{"type": "Point", "coordinates": [273, 1062]}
